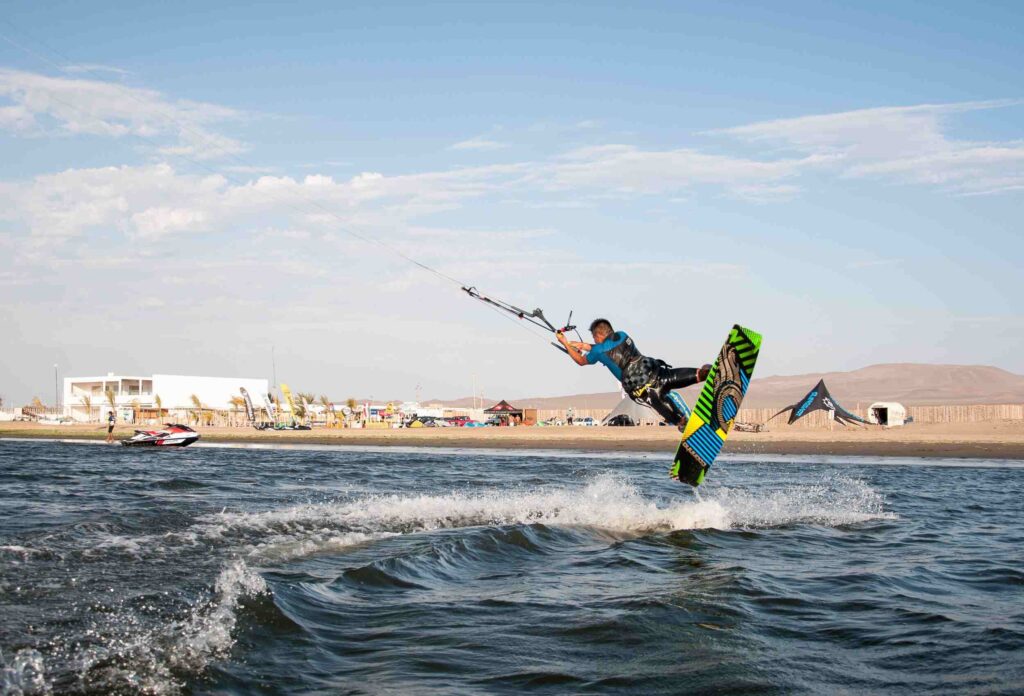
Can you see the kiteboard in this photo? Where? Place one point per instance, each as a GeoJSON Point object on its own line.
{"type": "Point", "coordinates": [716, 408]}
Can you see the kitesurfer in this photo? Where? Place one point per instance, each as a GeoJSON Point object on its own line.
{"type": "Point", "coordinates": [647, 381]}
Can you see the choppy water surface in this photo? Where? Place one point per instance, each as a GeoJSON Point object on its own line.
{"type": "Point", "coordinates": [359, 571]}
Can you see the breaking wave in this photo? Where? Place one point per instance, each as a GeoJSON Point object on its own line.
{"type": "Point", "coordinates": [607, 502]}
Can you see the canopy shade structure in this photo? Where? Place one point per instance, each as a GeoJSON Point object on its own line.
{"type": "Point", "coordinates": [818, 399]}
{"type": "Point", "coordinates": [634, 412]}
{"type": "Point", "coordinates": [504, 408]}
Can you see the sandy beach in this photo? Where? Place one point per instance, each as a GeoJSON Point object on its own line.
{"type": "Point", "coordinates": [992, 439]}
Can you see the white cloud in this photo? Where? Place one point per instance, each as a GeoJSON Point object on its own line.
{"type": "Point", "coordinates": [156, 222]}
{"type": "Point", "coordinates": [153, 201]}
{"type": "Point", "coordinates": [624, 169]}
{"type": "Point", "coordinates": [478, 143]}
{"type": "Point", "coordinates": [94, 68]}
{"type": "Point", "coordinates": [39, 104]}
{"type": "Point", "coordinates": [905, 144]}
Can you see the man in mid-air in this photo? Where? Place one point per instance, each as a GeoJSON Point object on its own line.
{"type": "Point", "coordinates": [647, 381]}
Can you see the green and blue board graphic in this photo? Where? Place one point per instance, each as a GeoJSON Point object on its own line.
{"type": "Point", "coordinates": [717, 406]}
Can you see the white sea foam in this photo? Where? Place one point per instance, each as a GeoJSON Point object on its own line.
{"type": "Point", "coordinates": [137, 655]}
{"type": "Point", "coordinates": [24, 675]}
{"type": "Point", "coordinates": [207, 632]}
{"type": "Point", "coordinates": [22, 551]}
{"type": "Point", "coordinates": [608, 502]}
{"type": "Point", "coordinates": [832, 501]}
{"type": "Point", "coordinates": [133, 546]}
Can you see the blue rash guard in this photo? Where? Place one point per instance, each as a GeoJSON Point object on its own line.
{"type": "Point", "coordinates": [615, 352]}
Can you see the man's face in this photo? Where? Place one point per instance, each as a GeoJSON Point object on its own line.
{"type": "Point", "coordinates": [599, 335]}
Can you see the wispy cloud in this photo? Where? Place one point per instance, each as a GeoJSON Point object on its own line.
{"type": "Point", "coordinates": [39, 104]}
{"type": "Point", "coordinates": [627, 170]}
{"type": "Point", "coordinates": [908, 144]}
{"type": "Point", "coordinates": [478, 143]}
{"type": "Point", "coordinates": [95, 68]}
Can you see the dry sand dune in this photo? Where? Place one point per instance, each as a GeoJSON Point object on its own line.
{"type": "Point", "coordinates": [908, 383]}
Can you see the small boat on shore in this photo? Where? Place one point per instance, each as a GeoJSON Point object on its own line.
{"type": "Point", "coordinates": [172, 435]}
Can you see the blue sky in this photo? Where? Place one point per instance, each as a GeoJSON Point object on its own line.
{"type": "Point", "coordinates": [177, 184]}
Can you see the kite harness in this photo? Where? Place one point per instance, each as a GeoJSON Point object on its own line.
{"type": "Point", "coordinates": [535, 317]}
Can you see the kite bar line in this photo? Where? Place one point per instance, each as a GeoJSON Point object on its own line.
{"type": "Point", "coordinates": [535, 317]}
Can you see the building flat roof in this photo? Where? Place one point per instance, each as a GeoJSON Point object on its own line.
{"type": "Point", "coordinates": [106, 378]}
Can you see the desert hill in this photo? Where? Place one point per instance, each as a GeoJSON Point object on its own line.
{"type": "Point", "coordinates": [911, 384]}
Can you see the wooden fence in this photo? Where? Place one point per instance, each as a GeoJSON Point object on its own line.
{"type": "Point", "coordinates": [820, 419]}
{"type": "Point", "coordinates": [921, 414]}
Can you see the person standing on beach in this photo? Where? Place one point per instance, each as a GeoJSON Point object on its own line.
{"type": "Point", "coordinates": [647, 381]}
{"type": "Point", "coordinates": [111, 420]}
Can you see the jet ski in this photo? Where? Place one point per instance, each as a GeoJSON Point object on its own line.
{"type": "Point", "coordinates": [172, 435]}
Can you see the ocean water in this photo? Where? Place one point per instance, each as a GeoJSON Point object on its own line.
{"type": "Point", "coordinates": [326, 571]}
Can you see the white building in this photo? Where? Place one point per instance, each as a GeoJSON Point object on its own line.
{"type": "Point", "coordinates": [887, 414]}
{"type": "Point", "coordinates": [175, 392]}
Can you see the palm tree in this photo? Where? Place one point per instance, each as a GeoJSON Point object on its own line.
{"type": "Point", "coordinates": [87, 402]}
{"type": "Point", "coordinates": [136, 410]}
{"type": "Point", "coordinates": [237, 403]}
{"type": "Point", "coordinates": [197, 406]}
{"type": "Point", "coordinates": [111, 400]}
{"type": "Point", "coordinates": [159, 407]}
{"type": "Point", "coordinates": [305, 399]}
{"type": "Point", "coordinates": [328, 409]}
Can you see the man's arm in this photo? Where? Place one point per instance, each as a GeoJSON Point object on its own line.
{"type": "Point", "coordinates": [571, 349]}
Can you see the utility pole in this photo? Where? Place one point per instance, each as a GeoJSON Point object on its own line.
{"type": "Point", "coordinates": [273, 366]}
{"type": "Point", "coordinates": [56, 388]}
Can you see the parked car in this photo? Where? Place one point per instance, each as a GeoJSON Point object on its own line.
{"type": "Point", "coordinates": [585, 422]}
{"type": "Point", "coordinates": [622, 420]}
{"type": "Point", "coordinates": [475, 424]}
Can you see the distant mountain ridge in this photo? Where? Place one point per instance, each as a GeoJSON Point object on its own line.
{"type": "Point", "coordinates": [911, 384]}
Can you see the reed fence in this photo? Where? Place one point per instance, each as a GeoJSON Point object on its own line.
{"type": "Point", "coordinates": [820, 419]}
{"type": "Point", "coordinates": [921, 414]}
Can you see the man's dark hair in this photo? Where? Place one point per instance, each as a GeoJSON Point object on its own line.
{"type": "Point", "coordinates": [601, 324]}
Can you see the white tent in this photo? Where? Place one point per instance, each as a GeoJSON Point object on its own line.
{"type": "Point", "coordinates": [637, 413]}
{"type": "Point", "coordinates": [887, 413]}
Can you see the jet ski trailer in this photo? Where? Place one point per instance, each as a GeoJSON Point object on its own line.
{"type": "Point", "coordinates": [173, 435]}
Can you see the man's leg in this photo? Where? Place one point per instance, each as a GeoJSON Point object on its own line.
{"type": "Point", "coordinates": [680, 377]}
{"type": "Point", "coordinates": [672, 378]}
{"type": "Point", "coordinates": [665, 408]}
